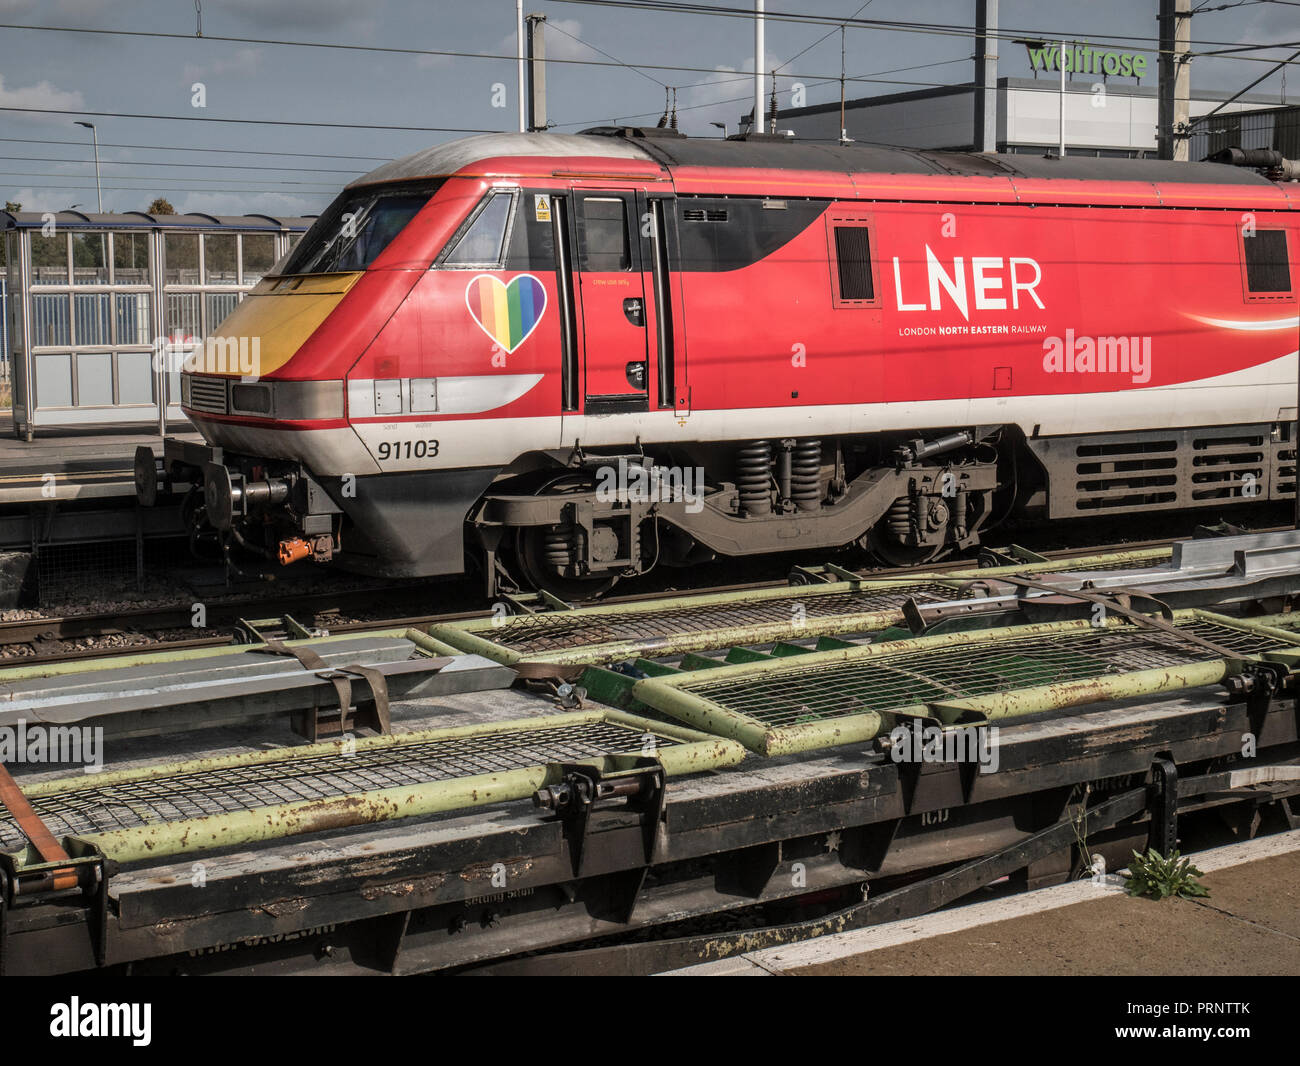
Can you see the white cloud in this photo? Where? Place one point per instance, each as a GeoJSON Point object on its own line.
{"type": "Point", "coordinates": [30, 199]}
{"type": "Point", "coordinates": [310, 15]}
{"type": "Point", "coordinates": [559, 35]}
{"type": "Point", "coordinates": [277, 205]}
{"type": "Point", "coordinates": [561, 44]}
{"type": "Point", "coordinates": [724, 96]}
{"type": "Point", "coordinates": [241, 63]}
{"type": "Point", "coordinates": [40, 95]}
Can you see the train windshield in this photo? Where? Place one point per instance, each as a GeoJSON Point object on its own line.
{"type": "Point", "coordinates": [355, 229]}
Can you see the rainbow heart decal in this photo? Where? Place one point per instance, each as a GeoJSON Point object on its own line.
{"type": "Point", "coordinates": [506, 312]}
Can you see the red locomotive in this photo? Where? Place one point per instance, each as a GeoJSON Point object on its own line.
{"type": "Point", "coordinates": [578, 357]}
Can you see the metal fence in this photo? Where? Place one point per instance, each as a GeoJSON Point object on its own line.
{"type": "Point", "coordinates": [1277, 128]}
{"type": "Point", "coordinates": [4, 329]}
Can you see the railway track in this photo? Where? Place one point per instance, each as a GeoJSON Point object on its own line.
{"type": "Point", "coordinates": [47, 640]}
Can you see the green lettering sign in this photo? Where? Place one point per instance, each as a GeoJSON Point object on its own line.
{"type": "Point", "coordinates": [1084, 59]}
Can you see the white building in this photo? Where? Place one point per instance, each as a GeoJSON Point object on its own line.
{"type": "Point", "coordinates": [1105, 117]}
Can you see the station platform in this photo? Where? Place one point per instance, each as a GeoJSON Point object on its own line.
{"type": "Point", "coordinates": [77, 486]}
{"type": "Point", "coordinates": [86, 464]}
{"type": "Point", "coordinates": [1249, 924]}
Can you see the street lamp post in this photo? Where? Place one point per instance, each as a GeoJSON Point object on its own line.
{"type": "Point", "coordinates": [1060, 148]}
{"type": "Point", "coordinates": [95, 138]}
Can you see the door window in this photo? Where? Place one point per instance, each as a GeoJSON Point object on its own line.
{"type": "Point", "coordinates": [604, 245]}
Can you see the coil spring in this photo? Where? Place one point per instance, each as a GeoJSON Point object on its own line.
{"type": "Point", "coordinates": [754, 477]}
{"type": "Point", "coordinates": [898, 519]}
{"type": "Point", "coordinates": [806, 475]}
{"type": "Point", "coordinates": [557, 546]}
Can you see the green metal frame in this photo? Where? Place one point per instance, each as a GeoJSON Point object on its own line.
{"type": "Point", "coordinates": [81, 666]}
{"type": "Point", "coordinates": [673, 694]}
{"type": "Point", "coordinates": [475, 635]}
{"type": "Point", "coordinates": [694, 753]}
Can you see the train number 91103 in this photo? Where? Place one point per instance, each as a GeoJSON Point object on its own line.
{"type": "Point", "coordinates": [407, 449]}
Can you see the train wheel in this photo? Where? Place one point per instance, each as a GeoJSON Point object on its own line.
{"type": "Point", "coordinates": [889, 550]}
{"type": "Point", "coordinates": [888, 539]}
{"type": "Point", "coordinates": [541, 551]}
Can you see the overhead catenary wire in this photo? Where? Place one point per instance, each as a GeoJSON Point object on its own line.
{"type": "Point", "coordinates": [21, 174]}
{"type": "Point", "coordinates": [166, 163]}
{"type": "Point", "coordinates": [818, 81]}
{"type": "Point", "coordinates": [246, 121]}
{"type": "Point", "coordinates": [194, 148]}
{"type": "Point", "coordinates": [887, 25]}
{"type": "Point", "coordinates": [824, 37]}
{"type": "Point", "coordinates": [192, 192]}
{"type": "Point", "coordinates": [906, 26]}
{"type": "Point", "coordinates": [834, 21]}
{"type": "Point", "coordinates": [557, 29]}
{"type": "Point", "coordinates": [1233, 50]}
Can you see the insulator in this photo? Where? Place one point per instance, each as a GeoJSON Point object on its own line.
{"type": "Point", "coordinates": [806, 475]}
{"type": "Point", "coordinates": [754, 477]}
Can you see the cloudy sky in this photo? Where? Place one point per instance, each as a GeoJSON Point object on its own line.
{"type": "Point", "coordinates": [221, 167]}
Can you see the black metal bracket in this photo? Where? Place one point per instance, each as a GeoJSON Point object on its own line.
{"type": "Point", "coordinates": [582, 801]}
{"type": "Point", "coordinates": [1258, 682]}
{"type": "Point", "coordinates": [1162, 833]}
{"type": "Point", "coordinates": [92, 869]}
{"type": "Point", "coordinates": [95, 892]}
{"type": "Point", "coordinates": [4, 917]}
{"type": "Point", "coordinates": [910, 901]}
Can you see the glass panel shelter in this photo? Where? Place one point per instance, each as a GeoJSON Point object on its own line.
{"type": "Point", "coordinates": [91, 300]}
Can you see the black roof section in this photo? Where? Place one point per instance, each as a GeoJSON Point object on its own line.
{"type": "Point", "coordinates": [782, 153]}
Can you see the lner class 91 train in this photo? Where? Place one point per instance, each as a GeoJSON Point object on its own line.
{"type": "Point", "coordinates": [575, 357]}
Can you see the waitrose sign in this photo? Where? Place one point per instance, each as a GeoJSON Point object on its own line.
{"type": "Point", "coordinates": [1084, 59]}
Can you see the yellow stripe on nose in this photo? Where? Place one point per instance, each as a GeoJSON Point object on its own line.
{"type": "Point", "coordinates": [280, 314]}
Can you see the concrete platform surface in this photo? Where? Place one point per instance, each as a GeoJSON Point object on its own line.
{"type": "Point", "coordinates": [1250, 925]}
{"type": "Point", "coordinates": [86, 463]}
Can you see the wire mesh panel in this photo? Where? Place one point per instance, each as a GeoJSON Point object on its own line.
{"type": "Point", "coordinates": [841, 696]}
{"type": "Point", "coordinates": [92, 807]}
{"type": "Point", "coordinates": [695, 623]}
{"type": "Point", "coordinates": [538, 633]}
{"type": "Point", "coordinates": [978, 668]}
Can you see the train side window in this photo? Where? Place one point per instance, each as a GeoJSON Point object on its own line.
{"type": "Point", "coordinates": [532, 235]}
{"type": "Point", "coordinates": [604, 245]}
{"type": "Point", "coordinates": [1268, 271]}
{"type": "Point", "coordinates": [852, 280]}
{"type": "Point", "coordinates": [482, 239]}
